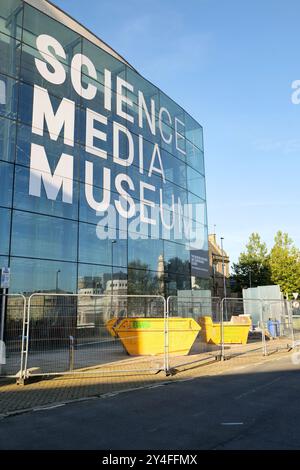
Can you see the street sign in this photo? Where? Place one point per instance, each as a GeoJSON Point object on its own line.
{"type": "Point", "coordinates": [199, 263]}
{"type": "Point", "coordinates": [5, 278]}
{"type": "Point", "coordinates": [296, 304]}
{"type": "Point", "coordinates": [295, 295]}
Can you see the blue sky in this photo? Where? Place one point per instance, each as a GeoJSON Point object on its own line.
{"type": "Point", "coordinates": [230, 65]}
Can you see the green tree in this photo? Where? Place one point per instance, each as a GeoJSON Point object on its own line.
{"type": "Point", "coordinates": [253, 268]}
{"type": "Point", "coordinates": [285, 264]}
{"type": "Point", "coordinates": [256, 250]}
{"type": "Point", "coordinates": [177, 274]}
{"type": "Point", "coordinates": [141, 280]}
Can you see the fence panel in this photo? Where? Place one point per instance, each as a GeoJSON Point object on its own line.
{"type": "Point", "coordinates": [242, 329]}
{"type": "Point", "coordinates": [13, 333]}
{"type": "Point", "coordinates": [186, 343]}
{"type": "Point", "coordinates": [295, 320]}
{"type": "Point", "coordinates": [278, 324]}
{"type": "Point", "coordinates": [93, 334]}
{"type": "Point", "coordinates": [104, 334]}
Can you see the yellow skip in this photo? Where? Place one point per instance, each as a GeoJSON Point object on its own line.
{"type": "Point", "coordinates": [146, 337]}
{"type": "Point", "coordinates": [235, 331]}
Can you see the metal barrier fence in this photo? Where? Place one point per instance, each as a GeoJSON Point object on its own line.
{"type": "Point", "coordinates": [12, 326]}
{"type": "Point", "coordinates": [73, 334]}
{"type": "Point", "coordinates": [186, 342]}
{"type": "Point", "coordinates": [242, 328]}
{"type": "Point", "coordinates": [52, 334]}
{"type": "Point", "coordinates": [295, 315]}
{"type": "Point", "coordinates": [278, 323]}
{"type": "Point", "coordinates": [271, 327]}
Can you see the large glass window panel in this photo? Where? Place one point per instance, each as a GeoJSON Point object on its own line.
{"type": "Point", "coordinates": [145, 253]}
{"type": "Point", "coordinates": [53, 149]}
{"type": "Point", "coordinates": [101, 60]}
{"type": "Point", "coordinates": [5, 215]}
{"type": "Point", "coordinates": [36, 23]}
{"type": "Point", "coordinates": [179, 140]}
{"type": "Point", "coordinates": [106, 142]}
{"type": "Point", "coordinates": [3, 261]}
{"type": "Point", "coordinates": [174, 194]}
{"type": "Point", "coordinates": [7, 139]}
{"type": "Point", "coordinates": [195, 182]}
{"type": "Point", "coordinates": [171, 142]}
{"type": "Point", "coordinates": [97, 106]}
{"type": "Point", "coordinates": [140, 228]}
{"type": "Point", "coordinates": [193, 231]}
{"type": "Point", "coordinates": [10, 51]}
{"type": "Point", "coordinates": [144, 280]}
{"type": "Point", "coordinates": [144, 147]}
{"type": "Point", "coordinates": [30, 74]}
{"type": "Point", "coordinates": [175, 169]}
{"type": "Point", "coordinates": [8, 97]}
{"type": "Point", "coordinates": [39, 236]}
{"type": "Point", "coordinates": [144, 99]}
{"type": "Point", "coordinates": [87, 153]}
{"type": "Point", "coordinates": [86, 212]}
{"type": "Point", "coordinates": [139, 83]}
{"type": "Point", "coordinates": [174, 110]}
{"type": "Point", "coordinates": [148, 157]}
{"type": "Point", "coordinates": [203, 284]}
{"type": "Point", "coordinates": [145, 187]}
{"type": "Point", "coordinates": [38, 275]}
{"type": "Point", "coordinates": [43, 204]}
{"type": "Point", "coordinates": [176, 258]}
{"type": "Point", "coordinates": [176, 282]}
{"type": "Point", "coordinates": [196, 209]}
{"type": "Point", "coordinates": [25, 115]}
{"type": "Point", "coordinates": [195, 157]}
{"type": "Point", "coordinates": [172, 227]}
{"type": "Point", "coordinates": [97, 279]}
{"type": "Point", "coordinates": [149, 131]}
{"type": "Point", "coordinates": [102, 175]}
{"type": "Point", "coordinates": [194, 132]}
{"type": "Point", "coordinates": [25, 103]}
{"type": "Point", "coordinates": [11, 14]}
{"type": "Point", "coordinates": [6, 183]}
{"type": "Point", "coordinates": [199, 237]}
{"type": "Point", "coordinates": [166, 133]}
{"type": "Point", "coordinates": [93, 248]}
{"type": "Point", "coordinates": [111, 217]}
{"type": "Point", "coordinates": [103, 293]}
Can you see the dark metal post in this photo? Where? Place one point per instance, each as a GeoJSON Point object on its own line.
{"type": "Point", "coordinates": [112, 275]}
{"type": "Point", "coordinates": [56, 285]}
{"type": "Point", "coordinates": [71, 353]}
{"type": "Point", "coordinates": [224, 277]}
{"type": "Point", "coordinates": [2, 326]}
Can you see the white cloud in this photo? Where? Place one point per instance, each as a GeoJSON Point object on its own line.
{"type": "Point", "coordinates": [286, 146]}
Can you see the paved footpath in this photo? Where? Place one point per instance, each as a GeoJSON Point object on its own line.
{"type": "Point", "coordinates": [246, 402]}
{"type": "Point", "coordinates": [61, 389]}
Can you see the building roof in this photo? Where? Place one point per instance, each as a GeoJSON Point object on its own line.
{"type": "Point", "coordinates": [216, 250]}
{"type": "Point", "coordinates": [48, 8]}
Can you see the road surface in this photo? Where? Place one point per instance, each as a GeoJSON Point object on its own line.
{"type": "Point", "coordinates": [252, 407]}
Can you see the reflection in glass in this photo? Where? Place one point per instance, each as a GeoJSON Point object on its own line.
{"type": "Point", "coordinates": [6, 183]}
{"type": "Point", "coordinates": [11, 14]}
{"type": "Point", "coordinates": [157, 265]}
{"type": "Point", "coordinates": [38, 275]}
{"type": "Point", "coordinates": [41, 236]}
{"type": "Point", "coordinates": [5, 215]}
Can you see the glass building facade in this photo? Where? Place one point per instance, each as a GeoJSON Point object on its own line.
{"type": "Point", "coordinates": [92, 158]}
